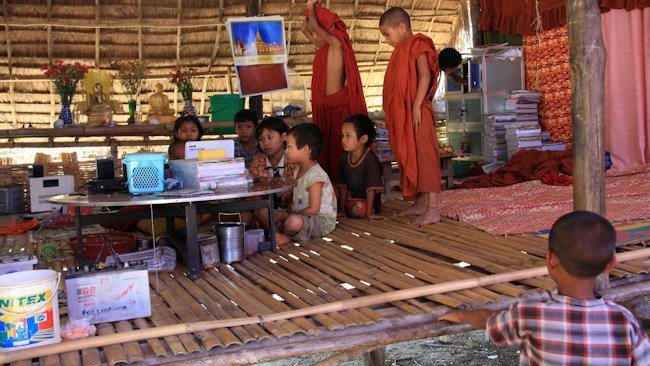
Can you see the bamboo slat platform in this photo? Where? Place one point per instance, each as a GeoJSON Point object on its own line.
{"type": "Point", "coordinates": [359, 258]}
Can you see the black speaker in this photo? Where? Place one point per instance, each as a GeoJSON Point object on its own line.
{"type": "Point", "coordinates": [105, 168]}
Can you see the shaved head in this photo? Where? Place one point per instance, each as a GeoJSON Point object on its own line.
{"type": "Point", "coordinates": [584, 243]}
{"type": "Point", "coordinates": [395, 16]}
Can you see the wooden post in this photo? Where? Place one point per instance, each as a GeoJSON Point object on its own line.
{"type": "Point", "coordinates": [375, 357]}
{"type": "Point", "coordinates": [255, 103]}
{"type": "Point", "coordinates": [587, 110]}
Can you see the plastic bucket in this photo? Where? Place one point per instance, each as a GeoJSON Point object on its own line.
{"type": "Point", "coordinates": [223, 107]}
{"type": "Point", "coordinates": [29, 309]}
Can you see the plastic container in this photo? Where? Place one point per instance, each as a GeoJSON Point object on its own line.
{"type": "Point", "coordinates": [16, 262]}
{"type": "Point", "coordinates": [145, 172]}
{"type": "Point", "coordinates": [209, 250]}
{"type": "Point", "coordinates": [223, 108]}
{"type": "Point", "coordinates": [92, 243]}
{"type": "Point", "coordinates": [461, 168]}
{"type": "Point", "coordinates": [252, 239]}
{"type": "Point", "coordinates": [25, 324]}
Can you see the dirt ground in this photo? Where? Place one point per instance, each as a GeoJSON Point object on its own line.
{"type": "Point", "coordinates": [466, 349]}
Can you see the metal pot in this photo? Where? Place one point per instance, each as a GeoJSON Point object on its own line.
{"type": "Point", "coordinates": [230, 236]}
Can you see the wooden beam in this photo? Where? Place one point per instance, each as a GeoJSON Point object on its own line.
{"type": "Point", "coordinates": [255, 103]}
{"type": "Point", "coordinates": [140, 33]}
{"type": "Point", "coordinates": [433, 19]}
{"type": "Point", "coordinates": [14, 117]}
{"type": "Point", "coordinates": [97, 33]}
{"type": "Point", "coordinates": [179, 14]}
{"type": "Point", "coordinates": [372, 69]}
{"type": "Point", "coordinates": [203, 90]}
{"type": "Point", "coordinates": [587, 60]}
{"type": "Point", "coordinates": [49, 33]}
{"type": "Point", "coordinates": [215, 49]}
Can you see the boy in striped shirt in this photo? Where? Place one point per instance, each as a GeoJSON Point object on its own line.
{"type": "Point", "coordinates": [576, 326]}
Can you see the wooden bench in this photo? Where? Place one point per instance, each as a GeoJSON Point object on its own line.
{"type": "Point", "coordinates": [390, 171]}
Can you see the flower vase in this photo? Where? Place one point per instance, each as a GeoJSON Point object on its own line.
{"type": "Point", "coordinates": [132, 106]}
{"type": "Point", "coordinates": [66, 114]}
{"type": "Point", "coordinates": [188, 108]}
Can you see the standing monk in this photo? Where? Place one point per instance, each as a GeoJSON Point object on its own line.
{"type": "Point", "coordinates": [336, 91]}
{"type": "Point", "coordinates": [409, 87]}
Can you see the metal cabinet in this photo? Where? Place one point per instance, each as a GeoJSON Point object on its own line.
{"type": "Point", "coordinates": [492, 72]}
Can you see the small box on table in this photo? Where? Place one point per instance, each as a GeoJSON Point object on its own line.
{"type": "Point", "coordinates": [40, 189]}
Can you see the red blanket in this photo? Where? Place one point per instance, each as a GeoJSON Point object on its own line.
{"type": "Point", "coordinates": [525, 165]}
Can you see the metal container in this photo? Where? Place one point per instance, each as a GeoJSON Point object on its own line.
{"type": "Point", "coordinates": [231, 240]}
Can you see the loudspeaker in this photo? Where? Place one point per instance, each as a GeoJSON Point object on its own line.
{"type": "Point", "coordinates": [105, 169]}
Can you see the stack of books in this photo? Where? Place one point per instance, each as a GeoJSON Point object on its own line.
{"type": "Point", "coordinates": [523, 137]}
{"type": "Point", "coordinates": [382, 147]}
{"type": "Point", "coordinates": [494, 136]}
{"type": "Point", "coordinates": [525, 131]}
{"type": "Point", "coordinates": [548, 145]}
{"type": "Point", "coordinates": [206, 174]}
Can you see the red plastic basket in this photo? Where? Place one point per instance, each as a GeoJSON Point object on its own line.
{"type": "Point", "coordinates": [92, 243]}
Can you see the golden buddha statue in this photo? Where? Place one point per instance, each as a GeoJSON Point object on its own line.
{"type": "Point", "coordinates": [98, 106]}
{"type": "Point", "coordinates": [159, 107]}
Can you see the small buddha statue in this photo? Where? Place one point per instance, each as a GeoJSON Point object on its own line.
{"type": "Point", "coordinates": [99, 108]}
{"type": "Point", "coordinates": [99, 99]}
{"type": "Point", "coordinates": [159, 107]}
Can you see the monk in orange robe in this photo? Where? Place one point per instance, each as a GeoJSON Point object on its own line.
{"type": "Point", "coordinates": [409, 87]}
{"type": "Point", "coordinates": [336, 90]}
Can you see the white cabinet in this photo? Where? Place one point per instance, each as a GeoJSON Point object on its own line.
{"type": "Point", "coordinates": [492, 72]}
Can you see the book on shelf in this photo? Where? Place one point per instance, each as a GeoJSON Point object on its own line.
{"type": "Point", "coordinates": [553, 146]}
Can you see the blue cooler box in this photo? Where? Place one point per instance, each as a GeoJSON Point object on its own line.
{"type": "Point", "coordinates": [145, 172]}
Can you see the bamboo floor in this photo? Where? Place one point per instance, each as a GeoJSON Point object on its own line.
{"type": "Point", "coordinates": [359, 258]}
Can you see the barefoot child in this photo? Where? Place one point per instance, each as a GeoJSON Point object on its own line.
{"type": "Point", "coordinates": [186, 128]}
{"type": "Point", "coordinates": [576, 326]}
{"type": "Point", "coordinates": [336, 90]}
{"type": "Point", "coordinates": [409, 86]}
{"type": "Point", "coordinates": [313, 207]}
{"type": "Point", "coordinates": [360, 169]}
{"type": "Point", "coordinates": [246, 145]}
{"type": "Point", "coordinates": [272, 135]}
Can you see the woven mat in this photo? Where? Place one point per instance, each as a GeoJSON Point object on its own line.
{"type": "Point", "coordinates": [532, 206]}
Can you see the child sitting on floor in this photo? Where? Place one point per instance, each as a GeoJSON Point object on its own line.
{"type": "Point", "coordinates": [576, 326]}
{"type": "Point", "coordinates": [271, 134]}
{"type": "Point", "coordinates": [246, 144]}
{"type": "Point", "coordinates": [360, 172]}
{"type": "Point", "coordinates": [313, 207]}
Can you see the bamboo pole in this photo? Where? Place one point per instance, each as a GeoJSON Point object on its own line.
{"type": "Point", "coordinates": [370, 300]}
{"type": "Point", "coordinates": [587, 59]}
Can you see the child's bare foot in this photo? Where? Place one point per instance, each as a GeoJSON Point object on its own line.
{"type": "Point", "coordinates": [281, 239]}
{"type": "Point", "coordinates": [415, 209]}
{"type": "Point", "coordinates": [430, 216]}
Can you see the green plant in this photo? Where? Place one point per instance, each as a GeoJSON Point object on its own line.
{"type": "Point", "coordinates": [131, 74]}
{"type": "Point", "coordinates": [66, 77]}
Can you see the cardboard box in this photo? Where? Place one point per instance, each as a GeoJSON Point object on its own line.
{"type": "Point", "coordinates": [109, 295]}
{"type": "Point", "coordinates": [40, 189]}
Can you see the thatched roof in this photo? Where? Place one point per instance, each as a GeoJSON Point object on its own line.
{"type": "Point", "coordinates": [166, 33]}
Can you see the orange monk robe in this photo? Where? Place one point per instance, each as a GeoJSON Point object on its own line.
{"type": "Point", "coordinates": [329, 112]}
{"type": "Point", "coordinates": [416, 153]}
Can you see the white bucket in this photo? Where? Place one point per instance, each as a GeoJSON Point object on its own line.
{"type": "Point", "coordinates": [29, 309]}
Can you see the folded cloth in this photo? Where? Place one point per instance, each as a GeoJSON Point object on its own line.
{"type": "Point", "coordinates": [555, 179]}
{"type": "Point", "coordinates": [525, 165]}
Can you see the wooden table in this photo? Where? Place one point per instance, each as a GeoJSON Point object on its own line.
{"type": "Point", "coordinates": [260, 195]}
{"type": "Point", "coordinates": [389, 173]}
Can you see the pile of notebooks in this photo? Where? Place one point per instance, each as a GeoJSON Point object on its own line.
{"type": "Point", "coordinates": [208, 174]}
{"type": "Point", "coordinates": [494, 136]}
{"type": "Point", "coordinates": [524, 132]}
{"type": "Point", "coordinates": [382, 147]}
